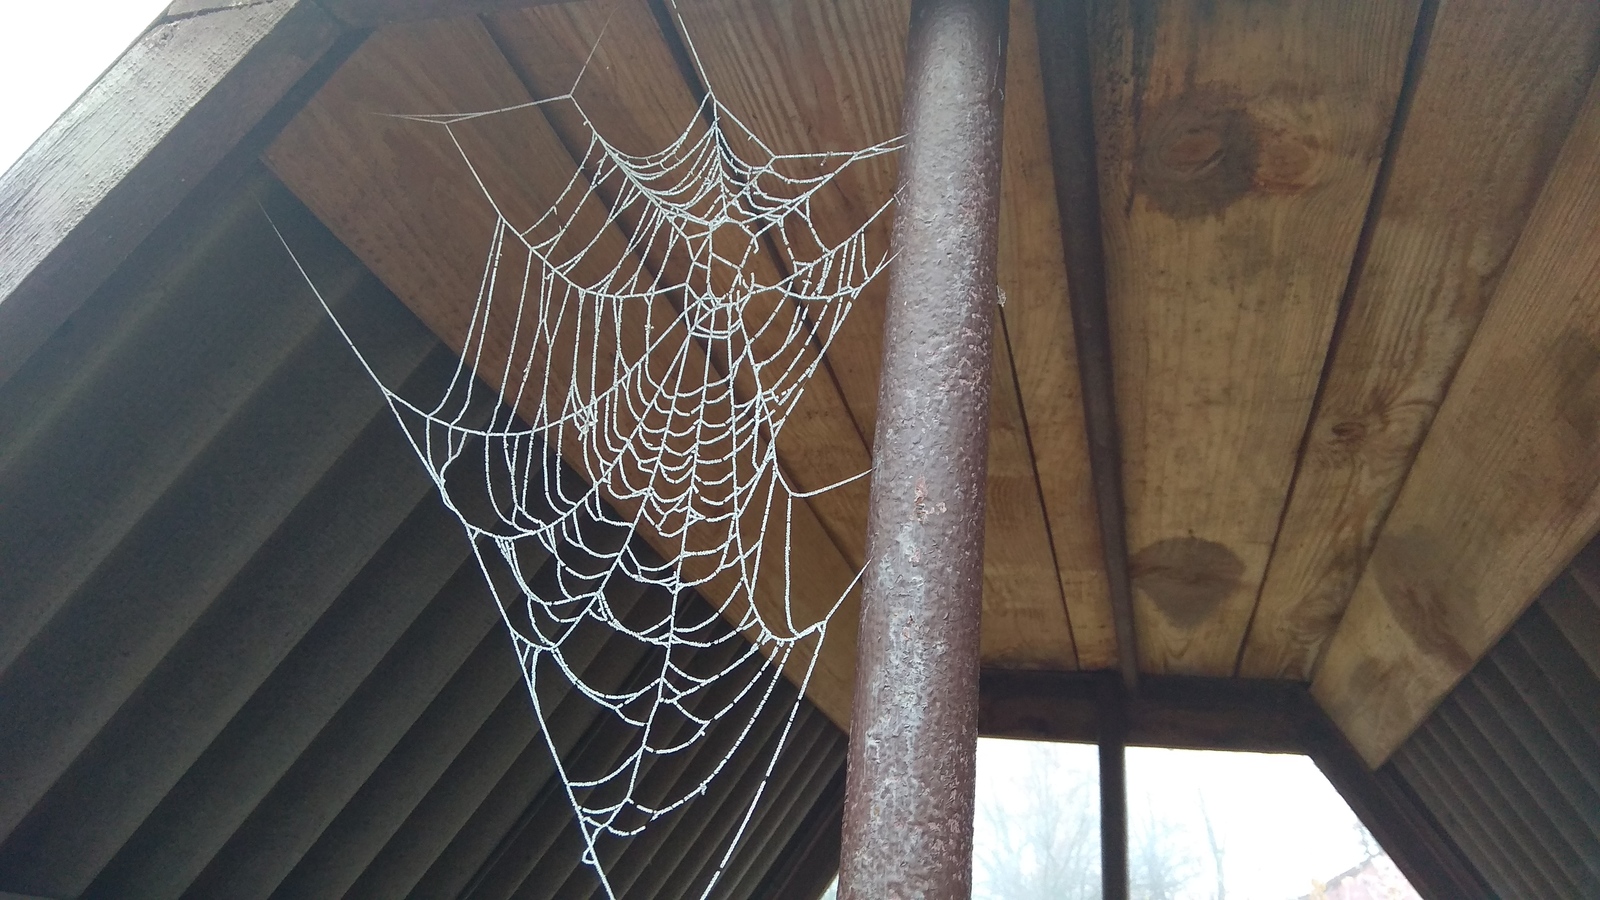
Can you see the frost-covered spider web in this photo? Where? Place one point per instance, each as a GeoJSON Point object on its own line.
{"type": "Point", "coordinates": [650, 334]}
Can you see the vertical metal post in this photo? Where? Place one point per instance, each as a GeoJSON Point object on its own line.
{"type": "Point", "coordinates": [913, 738]}
{"type": "Point", "coordinates": [1113, 712]}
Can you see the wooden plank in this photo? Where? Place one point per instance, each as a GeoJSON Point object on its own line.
{"type": "Point", "coordinates": [1037, 326]}
{"type": "Point", "coordinates": [399, 195]}
{"type": "Point", "coordinates": [810, 76]}
{"type": "Point", "coordinates": [1498, 89]}
{"type": "Point", "coordinates": [1506, 487]}
{"type": "Point", "coordinates": [379, 13]}
{"type": "Point", "coordinates": [820, 75]}
{"type": "Point", "coordinates": [1065, 68]}
{"type": "Point", "coordinates": [1238, 147]}
{"type": "Point", "coordinates": [133, 147]}
{"type": "Point", "coordinates": [633, 93]}
{"type": "Point", "coordinates": [1170, 711]}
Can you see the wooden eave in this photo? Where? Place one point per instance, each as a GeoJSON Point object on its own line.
{"type": "Point", "coordinates": [1337, 342]}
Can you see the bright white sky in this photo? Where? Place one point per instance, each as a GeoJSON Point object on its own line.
{"type": "Point", "coordinates": [51, 51]}
{"type": "Point", "coordinates": [1280, 821]}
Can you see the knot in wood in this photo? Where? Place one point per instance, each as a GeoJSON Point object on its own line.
{"type": "Point", "coordinates": [1198, 154]}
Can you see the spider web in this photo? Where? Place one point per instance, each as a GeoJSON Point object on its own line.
{"type": "Point", "coordinates": [655, 353]}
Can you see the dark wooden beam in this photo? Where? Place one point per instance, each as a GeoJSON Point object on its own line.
{"type": "Point", "coordinates": [1425, 854]}
{"type": "Point", "coordinates": [189, 93]}
{"type": "Point", "coordinates": [378, 13]}
{"type": "Point", "coordinates": [1063, 27]}
{"type": "Point", "coordinates": [368, 13]}
{"type": "Point", "coordinates": [1112, 701]}
{"type": "Point", "coordinates": [1232, 714]}
{"type": "Point", "coordinates": [1168, 711]}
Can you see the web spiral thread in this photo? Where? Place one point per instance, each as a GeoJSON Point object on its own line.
{"type": "Point", "coordinates": [646, 362]}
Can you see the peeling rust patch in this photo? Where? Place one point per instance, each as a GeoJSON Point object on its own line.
{"type": "Point", "coordinates": [1188, 578]}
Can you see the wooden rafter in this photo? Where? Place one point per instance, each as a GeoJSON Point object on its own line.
{"type": "Point", "coordinates": [188, 95]}
{"type": "Point", "coordinates": [1064, 62]}
{"type": "Point", "coordinates": [1503, 492]}
{"type": "Point", "coordinates": [1514, 77]}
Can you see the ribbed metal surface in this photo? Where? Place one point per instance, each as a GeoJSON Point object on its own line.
{"type": "Point", "coordinates": [244, 650]}
{"type": "Point", "coordinates": [1509, 764]}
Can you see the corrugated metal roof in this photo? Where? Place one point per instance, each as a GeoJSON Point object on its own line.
{"type": "Point", "coordinates": [244, 649]}
{"type": "Point", "coordinates": [1509, 763]}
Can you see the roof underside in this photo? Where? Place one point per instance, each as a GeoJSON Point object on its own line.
{"type": "Point", "coordinates": [247, 651]}
{"type": "Point", "coordinates": [1509, 763]}
{"type": "Point", "coordinates": [1347, 249]}
{"type": "Point", "coordinates": [1345, 257]}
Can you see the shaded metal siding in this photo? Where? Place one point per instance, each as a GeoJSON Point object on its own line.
{"type": "Point", "coordinates": [244, 649]}
{"type": "Point", "coordinates": [1509, 764]}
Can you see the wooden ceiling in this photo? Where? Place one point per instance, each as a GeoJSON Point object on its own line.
{"type": "Point", "coordinates": [1351, 264]}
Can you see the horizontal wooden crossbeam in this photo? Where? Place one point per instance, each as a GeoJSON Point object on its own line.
{"type": "Point", "coordinates": [1258, 716]}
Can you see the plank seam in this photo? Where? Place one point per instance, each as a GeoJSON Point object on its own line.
{"type": "Point", "coordinates": [1415, 60]}
{"type": "Point", "coordinates": [498, 39]}
{"type": "Point", "coordinates": [1038, 487]}
{"type": "Point", "coordinates": [666, 23]}
{"type": "Point", "coordinates": [1065, 70]}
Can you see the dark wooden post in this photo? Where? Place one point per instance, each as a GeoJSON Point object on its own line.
{"type": "Point", "coordinates": [1113, 711]}
{"type": "Point", "coordinates": [913, 734]}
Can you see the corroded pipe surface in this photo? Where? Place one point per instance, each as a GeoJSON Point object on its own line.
{"type": "Point", "coordinates": [909, 794]}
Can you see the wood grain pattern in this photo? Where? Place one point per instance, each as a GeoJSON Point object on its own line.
{"type": "Point", "coordinates": [822, 75]}
{"type": "Point", "coordinates": [1238, 147]}
{"type": "Point", "coordinates": [1498, 90]}
{"type": "Point", "coordinates": [379, 13]}
{"type": "Point", "coordinates": [810, 76]}
{"type": "Point", "coordinates": [1036, 328]}
{"type": "Point", "coordinates": [399, 195]}
{"type": "Point", "coordinates": [633, 93]}
{"type": "Point", "coordinates": [133, 147]}
{"type": "Point", "coordinates": [1506, 487]}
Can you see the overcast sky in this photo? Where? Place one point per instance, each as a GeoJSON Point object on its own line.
{"type": "Point", "coordinates": [1281, 823]}
{"type": "Point", "coordinates": [51, 51]}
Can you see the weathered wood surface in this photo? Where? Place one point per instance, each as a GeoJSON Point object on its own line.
{"type": "Point", "coordinates": [1506, 486]}
{"type": "Point", "coordinates": [1169, 711]}
{"type": "Point", "coordinates": [1063, 48]}
{"type": "Point", "coordinates": [635, 96]}
{"type": "Point", "coordinates": [378, 13]}
{"type": "Point", "coordinates": [820, 75]}
{"type": "Point", "coordinates": [810, 76]}
{"type": "Point", "coordinates": [1497, 91]}
{"type": "Point", "coordinates": [1036, 325]}
{"type": "Point", "coordinates": [133, 147]}
{"type": "Point", "coordinates": [1239, 143]}
{"type": "Point", "coordinates": [400, 196]}
{"type": "Point", "coordinates": [365, 13]}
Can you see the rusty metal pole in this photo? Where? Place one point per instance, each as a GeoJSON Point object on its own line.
{"type": "Point", "coordinates": [913, 733]}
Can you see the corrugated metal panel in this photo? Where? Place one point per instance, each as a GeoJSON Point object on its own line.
{"type": "Point", "coordinates": [1509, 764]}
{"type": "Point", "coordinates": [244, 650]}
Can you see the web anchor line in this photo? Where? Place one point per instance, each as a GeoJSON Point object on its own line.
{"type": "Point", "coordinates": [638, 345]}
